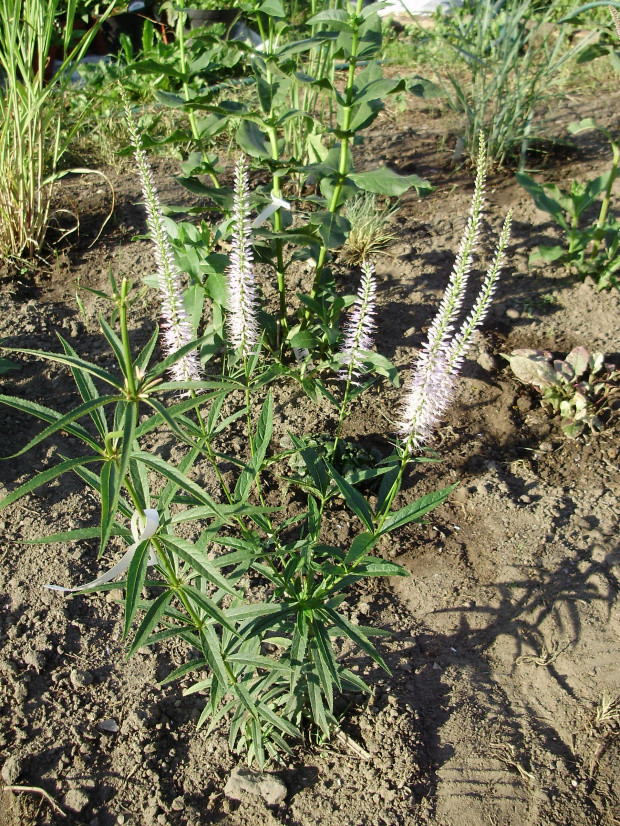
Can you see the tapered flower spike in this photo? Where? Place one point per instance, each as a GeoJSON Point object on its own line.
{"type": "Point", "coordinates": [177, 332]}
{"type": "Point", "coordinates": [242, 321]}
{"type": "Point", "coordinates": [616, 18]}
{"type": "Point", "coordinates": [360, 327]}
{"type": "Point", "coordinates": [433, 377]}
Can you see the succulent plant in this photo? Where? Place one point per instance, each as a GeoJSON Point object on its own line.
{"type": "Point", "coordinates": [578, 387]}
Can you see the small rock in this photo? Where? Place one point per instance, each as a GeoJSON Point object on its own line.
{"type": "Point", "coordinates": [11, 770]}
{"type": "Point", "coordinates": [525, 499]}
{"type": "Point", "coordinates": [75, 800]}
{"type": "Point", "coordinates": [545, 447]}
{"type": "Point", "coordinates": [178, 804]}
{"type": "Point", "coordinates": [80, 679]}
{"type": "Point", "coordinates": [524, 404]}
{"type": "Point", "coordinates": [487, 362]}
{"type": "Point", "coordinates": [268, 786]}
{"type": "Point", "coordinates": [110, 726]}
{"type": "Point", "coordinates": [512, 313]}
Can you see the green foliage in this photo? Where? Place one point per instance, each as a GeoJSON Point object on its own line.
{"type": "Point", "coordinates": [300, 128]}
{"type": "Point", "coordinates": [590, 250]}
{"type": "Point", "coordinates": [30, 117]}
{"type": "Point", "coordinates": [201, 592]}
{"type": "Point", "coordinates": [578, 387]}
{"type": "Point", "coordinates": [511, 55]}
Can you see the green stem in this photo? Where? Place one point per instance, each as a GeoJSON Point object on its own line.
{"type": "Point", "coordinates": [277, 225]}
{"type": "Point", "coordinates": [344, 153]}
{"type": "Point", "coordinates": [607, 199]}
{"type": "Point", "coordinates": [122, 307]}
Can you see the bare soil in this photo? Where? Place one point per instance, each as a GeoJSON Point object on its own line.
{"type": "Point", "coordinates": [507, 632]}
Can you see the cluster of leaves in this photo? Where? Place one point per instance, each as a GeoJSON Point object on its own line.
{"type": "Point", "coordinates": [590, 250]}
{"type": "Point", "coordinates": [200, 591]}
{"type": "Point", "coordinates": [295, 92]}
{"type": "Point", "coordinates": [578, 388]}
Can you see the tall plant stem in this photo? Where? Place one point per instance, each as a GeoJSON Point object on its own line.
{"type": "Point", "coordinates": [344, 152]}
{"type": "Point", "coordinates": [183, 61]}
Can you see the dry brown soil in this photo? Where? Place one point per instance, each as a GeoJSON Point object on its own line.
{"type": "Point", "coordinates": [505, 635]}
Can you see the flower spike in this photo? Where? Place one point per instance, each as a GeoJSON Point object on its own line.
{"type": "Point", "coordinates": [433, 377]}
{"type": "Point", "coordinates": [360, 327]}
{"type": "Point", "coordinates": [176, 328]}
{"type": "Point", "coordinates": [242, 295]}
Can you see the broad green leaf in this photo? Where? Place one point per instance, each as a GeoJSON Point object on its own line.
{"type": "Point", "coordinates": [372, 566]}
{"type": "Point", "coordinates": [384, 181]}
{"type": "Point", "coordinates": [415, 510]}
{"type": "Point", "coordinates": [332, 228]}
{"type": "Point", "coordinates": [273, 8]}
{"type": "Point", "coordinates": [252, 140]}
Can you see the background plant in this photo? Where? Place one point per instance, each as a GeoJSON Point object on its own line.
{"type": "Point", "coordinates": [30, 117]}
{"type": "Point", "coordinates": [579, 387]}
{"type": "Point", "coordinates": [592, 249]}
{"type": "Point", "coordinates": [512, 53]}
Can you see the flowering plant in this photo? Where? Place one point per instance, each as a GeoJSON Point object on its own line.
{"type": "Point", "coordinates": [255, 592]}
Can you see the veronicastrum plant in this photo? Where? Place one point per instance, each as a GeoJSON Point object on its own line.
{"type": "Point", "coordinates": [252, 573]}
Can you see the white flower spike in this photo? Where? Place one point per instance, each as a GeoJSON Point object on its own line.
{"type": "Point", "coordinates": [433, 377]}
{"type": "Point", "coordinates": [242, 321]}
{"type": "Point", "coordinates": [177, 332]}
{"type": "Point", "coordinates": [360, 327]}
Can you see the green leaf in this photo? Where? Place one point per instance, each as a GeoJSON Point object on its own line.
{"type": "Point", "coordinates": [136, 574]}
{"type": "Point", "coordinates": [384, 181]}
{"type": "Point", "coordinates": [273, 8]}
{"type": "Point", "coordinates": [355, 634]}
{"type": "Point", "coordinates": [264, 428]}
{"type": "Point", "coordinates": [415, 510]}
{"type": "Point", "coordinates": [252, 140]}
{"type": "Point", "coordinates": [353, 498]}
{"type": "Point", "coordinates": [151, 618]}
{"type": "Point", "coordinates": [76, 535]}
{"type": "Point", "coordinates": [360, 546]}
{"type": "Point", "coordinates": [87, 389]}
{"type": "Point", "coordinates": [182, 670]}
{"type": "Point", "coordinates": [72, 361]}
{"type": "Point", "coordinates": [316, 703]}
{"type": "Point", "coordinates": [198, 560]}
{"type": "Point", "coordinates": [48, 415]}
{"type": "Point", "coordinates": [178, 478]}
{"type": "Point", "coordinates": [47, 476]}
{"type": "Point", "coordinates": [372, 566]}
{"type": "Point", "coordinates": [209, 607]}
{"type": "Point", "coordinates": [332, 228]}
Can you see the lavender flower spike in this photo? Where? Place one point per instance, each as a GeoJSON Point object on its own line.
{"type": "Point", "coordinates": [242, 296]}
{"type": "Point", "coordinates": [433, 377]}
{"type": "Point", "coordinates": [360, 327]}
{"type": "Point", "coordinates": [177, 332]}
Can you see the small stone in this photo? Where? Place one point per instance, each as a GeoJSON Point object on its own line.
{"type": "Point", "coordinates": [545, 447]}
{"type": "Point", "coordinates": [11, 770]}
{"type": "Point", "coordinates": [80, 679]}
{"type": "Point", "coordinates": [487, 362]}
{"type": "Point", "coordinates": [268, 786]}
{"type": "Point", "coordinates": [512, 313]}
{"type": "Point", "coordinates": [178, 804]}
{"type": "Point", "coordinates": [110, 726]}
{"type": "Point", "coordinates": [524, 404]}
{"type": "Point", "coordinates": [75, 800]}
{"type": "Point", "coordinates": [525, 499]}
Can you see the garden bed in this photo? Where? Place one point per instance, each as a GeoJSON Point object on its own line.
{"type": "Point", "coordinates": [505, 635]}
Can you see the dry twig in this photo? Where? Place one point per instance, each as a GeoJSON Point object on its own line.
{"type": "Point", "coordinates": [36, 790]}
